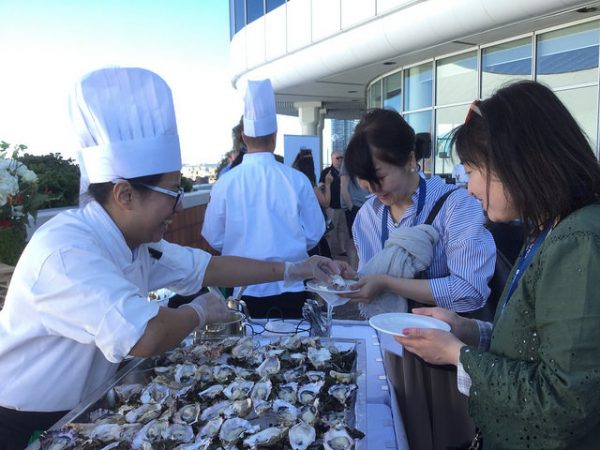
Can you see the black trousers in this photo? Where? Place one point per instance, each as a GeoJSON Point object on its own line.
{"type": "Point", "coordinates": [16, 427]}
{"type": "Point", "coordinates": [287, 305]}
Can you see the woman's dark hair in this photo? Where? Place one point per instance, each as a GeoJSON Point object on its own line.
{"type": "Point", "coordinates": [526, 137]}
{"type": "Point", "coordinates": [383, 134]}
{"type": "Point", "coordinates": [101, 191]}
{"type": "Point", "coordinates": [304, 162]}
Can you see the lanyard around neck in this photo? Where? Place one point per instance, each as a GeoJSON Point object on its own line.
{"type": "Point", "coordinates": [385, 232]}
{"type": "Point", "coordinates": [523, 263]}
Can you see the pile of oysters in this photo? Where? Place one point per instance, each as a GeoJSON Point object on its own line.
{"type": "Point", "coordinates": [236, 393]}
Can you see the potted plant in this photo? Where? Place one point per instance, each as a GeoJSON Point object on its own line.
{"type": "Point", "coordinates": [19, 199]}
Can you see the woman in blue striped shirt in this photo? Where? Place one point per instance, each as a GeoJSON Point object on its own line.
{"type": "Point", "coordinates": [382, 156]}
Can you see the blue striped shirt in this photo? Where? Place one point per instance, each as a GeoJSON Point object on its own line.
{"type": "Point", "coordinates": [464, 257]}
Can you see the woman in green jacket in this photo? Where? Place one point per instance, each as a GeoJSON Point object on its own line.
{"type": "Point", "coordinates": [533, 376]}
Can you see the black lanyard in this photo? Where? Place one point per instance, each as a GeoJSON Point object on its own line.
{"type": "Point", "coordinates": [385, 232]}
{"type": "Point", "coordinates": [523, 264]}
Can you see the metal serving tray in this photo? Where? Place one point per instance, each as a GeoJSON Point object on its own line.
{"type": "Point", "coordinates": [140, 370]}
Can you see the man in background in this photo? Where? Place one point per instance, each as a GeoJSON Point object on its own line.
{"type": "Point", "coordinates": [338, 237]}
{"type": "Point", "coordinates": [267, 210]}
{"type": "Point", "coordinates": [231, 156]}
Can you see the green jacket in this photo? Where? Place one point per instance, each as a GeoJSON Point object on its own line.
{"type": "Point", "coordinates": [538, 386]}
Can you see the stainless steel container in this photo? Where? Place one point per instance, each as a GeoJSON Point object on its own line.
{"type": "Point", "coordinates": [235, 327]}
{"type": "Point", "coordinates": [141, 371]}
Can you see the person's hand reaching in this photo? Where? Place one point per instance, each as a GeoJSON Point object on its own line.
{"type": "Point", "coordinates": [210, 309]}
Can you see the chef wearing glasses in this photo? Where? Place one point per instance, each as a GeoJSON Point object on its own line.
{"type": "Point", "coordinates": [77, 303]}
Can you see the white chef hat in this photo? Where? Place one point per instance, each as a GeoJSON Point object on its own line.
{"type": "Point", "coordinates": [260, 117]}
{"type": "Point", "coordinates": [126, 125]}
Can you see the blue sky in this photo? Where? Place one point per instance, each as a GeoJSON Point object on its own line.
{"type": "Point", "coordinates": [46, 45]}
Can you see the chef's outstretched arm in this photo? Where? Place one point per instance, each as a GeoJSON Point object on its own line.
{"type": "Point", "coordinates": [232, 271]}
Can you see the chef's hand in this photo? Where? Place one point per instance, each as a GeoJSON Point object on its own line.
{"type": "Point", "coordinates": [367, 288]}
{"type": "Point", "coordinates": [434, 346]}
{"type": "Point", "coordinates": [346, 270]}
{"type": "Point", "coordinates": [210, 309]}
{"type": "Point", "coordinates": [463, 328]}
{"type": "Point", "coordinates": [317, 267]}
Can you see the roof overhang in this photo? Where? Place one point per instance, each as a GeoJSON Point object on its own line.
{"type": "Point", "coordinates": [337, 70]}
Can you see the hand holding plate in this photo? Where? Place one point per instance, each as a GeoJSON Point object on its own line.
{"type": "Point", "coordinates": [367, 288]}
{"type": "Point", "coordinates": [463, 328]}
{"type": "Point", "coordinates": [434, 346]}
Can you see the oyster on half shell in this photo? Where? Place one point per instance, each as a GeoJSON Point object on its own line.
{"type": "Point", "coordinates": [301, 436]}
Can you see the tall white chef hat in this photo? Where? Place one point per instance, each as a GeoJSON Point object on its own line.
{"type": "Point", "coordinates": [126, 125]}
{"type": "Point", "coordinates": [260, 117]}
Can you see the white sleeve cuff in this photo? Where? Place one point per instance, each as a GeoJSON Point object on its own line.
{"type": "Point", "coordinates": [463, 380]}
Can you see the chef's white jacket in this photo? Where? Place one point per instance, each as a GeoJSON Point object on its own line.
{"type": "Point", "coordinates": [77, 304]}
{"type": "Point", "coordinates": [265, 210]}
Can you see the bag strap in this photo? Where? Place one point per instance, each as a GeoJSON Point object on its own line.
{"type": "Point", "coordinates": [438, 205]}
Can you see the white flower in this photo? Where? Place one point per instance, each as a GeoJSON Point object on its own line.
{"type": "Point", "coordinates": [9, 185]}
{"type": "Point", "coordinates": [5, 164]}
{"type": "Point", "coordinates": [26, 175]}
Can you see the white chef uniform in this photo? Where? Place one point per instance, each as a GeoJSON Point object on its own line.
{"type": "Point", "coordinates": [263, 209]}
{"type": "Point", "coordinates": [77, 300]}
{"type": "Point", "coordinates": [77, 305]}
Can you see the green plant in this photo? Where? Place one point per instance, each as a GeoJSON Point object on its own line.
{"type": "Point", "coordinates": [187, 184]}
{"type": "Point", "coordinates": [19, 199]}
{"type": "Point", "coordinates": [58, 178]}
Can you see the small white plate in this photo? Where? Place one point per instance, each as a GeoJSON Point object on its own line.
{"type": "Point", "coordinates": [322, 288]}
{"type": "Point", "coordinates": [394, 323]}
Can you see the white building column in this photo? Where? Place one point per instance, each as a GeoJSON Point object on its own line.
{"type": "Point", "coordinates": [310, 117]}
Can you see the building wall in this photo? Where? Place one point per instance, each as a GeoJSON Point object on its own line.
{"type": "Point", "coordinates": [186, 228]}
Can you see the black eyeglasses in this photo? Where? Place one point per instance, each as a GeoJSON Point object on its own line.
{"type": "Point", "coordinates": [178, 194]}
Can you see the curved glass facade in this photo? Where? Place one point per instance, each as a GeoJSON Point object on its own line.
{"type": "Point", "coordinates": [434, 96]}
{"type": "Point", "coordinates": [243, 12]}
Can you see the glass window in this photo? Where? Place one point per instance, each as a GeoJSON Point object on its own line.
{"type": "Point", "coordinates": [446, 120]}
{"type": "Point", "coordinates": [505, 62]}
{"type": "Point", "coordinates": [421, 123]}
{"type": "Point", "coordinates": [272, 4]}
{"type": "Point", "coordinates": [569, 56]}
{"type": "Point", "coordinates": [240, 14]}
{"type": "Point", "coordinates": [583, 104]}
{"type": "Point", "coordinates": [392, 91]}
{"type": "Point", "coordinates": [456, 79]}
{"type": "Point", "coordinates": [231, 18]}
{"type": "Point", "coordinates": [375, 95]}
{"type": "Point", "coordinates": [418, 87]}
{"type": "Point", "coordinates": [254, 10]}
